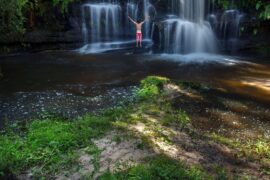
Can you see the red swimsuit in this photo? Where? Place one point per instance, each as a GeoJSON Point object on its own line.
{"type": "Point", "coordinates": [139, 36]}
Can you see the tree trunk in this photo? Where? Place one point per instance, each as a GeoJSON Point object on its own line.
{"type": "Point", "coordinates": [32, 19]}
{"type": "Point", "coordinates": [1, 74]}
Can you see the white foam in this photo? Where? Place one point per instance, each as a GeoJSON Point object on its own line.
{"type": "Point", "coordinates": [202, 58]}
{"type": "Point", "coordinates": [101, 47]}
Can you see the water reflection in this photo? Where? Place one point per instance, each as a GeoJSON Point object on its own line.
{"type": "Point", "coordinates": [67, 81]}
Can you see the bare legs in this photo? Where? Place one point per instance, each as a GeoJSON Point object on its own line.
{"type": "Point", "coordinates": [139, 44]}
{"type": "Point", "coordinates": [139, 39]}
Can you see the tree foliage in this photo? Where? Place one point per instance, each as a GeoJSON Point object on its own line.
{"type": "Point", "coordinates": [11, 18]}
{"type": "Point", "coordinates": [14, 14]}
{"type": "Point", "coordinates": [262, 7]}
{"type": "Point", "coordinates": [63, 4]}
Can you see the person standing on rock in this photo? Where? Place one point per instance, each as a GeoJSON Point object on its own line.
{"type": "Point", "coordinates": [138, 30]}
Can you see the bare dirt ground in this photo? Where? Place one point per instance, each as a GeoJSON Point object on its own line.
{"type": "Point", "coordinates": [118, 152]}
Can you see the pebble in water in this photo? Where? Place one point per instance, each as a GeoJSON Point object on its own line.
{"type": "Point", "coordinates": [30, 105]}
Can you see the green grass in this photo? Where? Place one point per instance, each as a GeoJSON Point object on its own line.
{"type": "Point", "coordinates": [158, 168]}
{"type": "Point", "coordinates": [48, 145]}
{"type": "Point", "coordinates": [151, 86]}
{"type": "Point", "coordinates": [261, 147]}
{"type": "Point", "coordinates": [178, 118]}
{"type": "Point", "coordinates": [256, 149]}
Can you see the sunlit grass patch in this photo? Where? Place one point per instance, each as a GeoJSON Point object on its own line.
{"type": "Point", "coordinates": [259, 148]}
{"type": "Point", "coordinates": [151, 86]}
{"type": "Point", "coordinates": [178, 118]}
{"type": "Point", "coordinates": [49, 145]}
{"type": "Point", "coordinates": [160, 167]}
{"type": "Point", "coordinates": [154, 80]}
{"type": "Point", "coordinates": [46, 145]}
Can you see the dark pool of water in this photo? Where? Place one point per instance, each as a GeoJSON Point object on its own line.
{"type": "Point", "coordinates": [70, 84]}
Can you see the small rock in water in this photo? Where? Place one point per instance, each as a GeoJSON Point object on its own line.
{"type": "Point", "coordinates": [58, 94]}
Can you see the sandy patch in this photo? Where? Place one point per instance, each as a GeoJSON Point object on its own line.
{"type": "Point", "coordinates": [114, 156]}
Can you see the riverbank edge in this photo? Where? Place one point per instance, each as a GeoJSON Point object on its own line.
{"type": "Point", "coordinates": [44, 148]}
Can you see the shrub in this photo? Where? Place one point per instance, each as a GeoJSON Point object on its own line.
{"type": "Point", "coordinates": [151, 86]}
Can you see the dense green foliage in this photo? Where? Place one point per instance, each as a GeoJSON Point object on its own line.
{"type": "Point", "coordinates": [262, 7]}
{"type": "Point", "coordinates": [48, 144]}
{"type": "Point", "coordinates": [16, 15]}
{"type": "Point", "coordinates": [12, 19]}
{"type": "Point", "coordinates": [150, 86]}
{"type": "Point", "coordinates": [62, 3]}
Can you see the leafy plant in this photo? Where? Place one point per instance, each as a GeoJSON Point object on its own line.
{"type": "Point", "coordinates": [12, 19]}
{"type": "Point", "coordinates": [264, 8]}
{"type": "Point", "coordinates": [150, 86]}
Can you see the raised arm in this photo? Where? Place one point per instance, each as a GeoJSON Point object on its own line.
{"type": "Point", "coordinates": [145, 19]}
{"type": "Point", "coordinates": [132, 20]}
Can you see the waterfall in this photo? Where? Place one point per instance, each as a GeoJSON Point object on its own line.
{"type": "Point", "coordinates": [131, 10]}
{"type": "Point", "coordinates": [189, 32]}
{"type": "Point", "coordinates": [182, 36]}
{"type": "Point", "coordinates": [102, 21]}
{"type": "Point", "coordinates": [230, 28]}
{"type": "Point", "coordinates": [189, 26]}
{"type": "Point", "coordinates": [192, 10]}
{"type": "Point", "coordinates": [146, 8]}
{"type": "Point", "coordinates": [103, 27]}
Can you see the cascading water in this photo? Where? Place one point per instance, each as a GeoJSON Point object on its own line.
{"type": "Point", "coordinates": [103, 22]}
{"type": "Point", "coordinates": [149, 9]}
{"type": "Point", "coordinates": [227, 26]}
{"type": "Point", "coordinates": [188, 26]}
{"type": "Point", "coordinates": [189, 32]}
{"type": "Point", "coordinates": [230, 28]}
{"type": "Point", "coordinates": [131, 10]}
{"type": "Point", "coordinates": [181, 37]}
{"type": "Point", "coordinates": [192, 10]}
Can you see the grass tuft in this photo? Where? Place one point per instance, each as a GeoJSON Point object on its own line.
{"type": "Point", "coordinates": [151, 86]}
{"type": "Point", "coordinates": [160, 167]}
{"type": "Point", "coordinates": [48, 145]}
